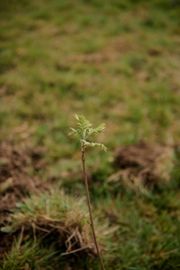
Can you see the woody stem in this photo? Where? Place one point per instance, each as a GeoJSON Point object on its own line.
{"type": "Point", "coordinates": [83, 159]}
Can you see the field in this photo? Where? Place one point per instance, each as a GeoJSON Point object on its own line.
{"type": "Point", "coordinates": [116, 62]}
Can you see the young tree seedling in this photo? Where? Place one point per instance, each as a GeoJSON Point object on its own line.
{"type": "Point", "coordinates": [84, 133]}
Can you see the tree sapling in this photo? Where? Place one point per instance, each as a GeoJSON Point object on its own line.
{"type": "Point", "coordinates": [84, 132]}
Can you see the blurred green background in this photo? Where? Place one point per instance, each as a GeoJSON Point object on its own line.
{"type": "Point", "coordinates": [116, 62]}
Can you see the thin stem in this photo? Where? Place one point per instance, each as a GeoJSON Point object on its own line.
{"type": "Point", "coordinates": [89, 204]}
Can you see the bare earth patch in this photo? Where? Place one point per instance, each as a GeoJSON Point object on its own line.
{"type": "Point", "coordinates": [17, 164]}
{"type": "Point", "coordinates": [143, 164]}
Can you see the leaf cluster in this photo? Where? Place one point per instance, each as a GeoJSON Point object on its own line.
{"type": "Point", "coordinates": [85, 132]}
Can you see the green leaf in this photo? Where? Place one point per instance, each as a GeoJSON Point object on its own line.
{"type": "Point", "coordinates": [84, 131]}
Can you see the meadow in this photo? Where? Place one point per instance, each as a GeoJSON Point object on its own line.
{"type": "Point", "coordinates": [116, 62]}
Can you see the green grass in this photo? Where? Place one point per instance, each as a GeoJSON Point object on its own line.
{"type": "Point", "coordinates": [115, 62]}
{"type": "Point", "coordinates": [29, 255]}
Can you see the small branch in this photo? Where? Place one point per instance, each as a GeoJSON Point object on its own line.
{"type": "Point", "coordinates": [89, 204]}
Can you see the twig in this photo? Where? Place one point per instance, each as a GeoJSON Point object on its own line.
{"type": "Point", "coordinates": [74, 251]}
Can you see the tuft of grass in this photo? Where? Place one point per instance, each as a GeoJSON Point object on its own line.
{"type": "Point", "coordinates": [57, 218]}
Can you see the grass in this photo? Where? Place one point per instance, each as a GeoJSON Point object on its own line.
{"type": "Point", "coordinates": [115, 62]}
{"type": "Point", "coordinates": [52, 220]}
{"type": "Point", "coordinates": [30, 255]}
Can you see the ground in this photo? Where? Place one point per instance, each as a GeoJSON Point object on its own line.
{"type": "Point", "coordinates": [115, 62]}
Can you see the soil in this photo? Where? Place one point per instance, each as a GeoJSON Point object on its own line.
{"type": "Point", "coordinates": [17, 181]}
{"type": "Point", "coordinates": [151, 164]}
